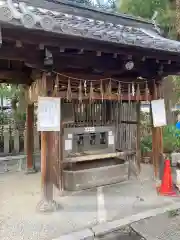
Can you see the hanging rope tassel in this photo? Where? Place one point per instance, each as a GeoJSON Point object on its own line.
{"type": "Point", "coordinates": [102, 91]}
{"type": "Point", "coordinates": [133, 90]}
{"type": "Point", "coordinates": [30, 94]}
{"type": "Point", "coordinates": [85, 88]}
{"type": "Point", "coordinates": [129, 93]}
{"type": "Point", "coordinates": [80, 91]}
{"type": "Point", "coordinates": [119, 92]}
{"type": "Point", "coordinates": [69, 92]}
{"type": "Point", "coordinates": [155, 91]}
{"type": "Point", "coordinates": [56, 83]}
{"type": "Point", "coordinates": [109, 90]}
{"type": "Point", "coordinates": [36, 90]}
{"type": "Point", "coordinates": [138, 93]}
{"type": "Point", "coordinates": [160, 91]}
{"type": "Point", "coordinates": [147, 92]}
{"type": "Point", "coordinates": [91, 92]}
{"type": "Point", "coordinates": [42, 85]}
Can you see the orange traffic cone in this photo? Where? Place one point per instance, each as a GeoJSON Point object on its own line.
{"type": "Point", "coordinates": [166, 187]}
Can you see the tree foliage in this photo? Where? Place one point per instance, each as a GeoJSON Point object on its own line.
{"type": "Point", "coordinates": [14, 93]}
{"type": "Point", "coordinates": [146, 9]}
{"type": "Point", "coordinates": [8, 90]}
{"type": "Point", "coordinates": [166, 19]}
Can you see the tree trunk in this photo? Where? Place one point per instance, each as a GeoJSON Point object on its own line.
{"type": "Point", "coordinates": [178, 18]}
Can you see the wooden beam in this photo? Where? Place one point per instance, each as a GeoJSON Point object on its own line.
{"type": "Point", "coordinates": [87, 74]}
{"type": "Point", "coordinates": [20, 54]}
{"type": "Point", "coordinates": [80, 74]}
{"type": "Point", "coordinates": [104, 63]}
{"type": "Point", "coordinates": [30, 54]}
{"type": "Point", "coordinates": [10, 76]}
{"type": "Point", "coordinates": [58, 40]}
{"type": "Point", "coordinates": [89, 63]}
{"type": "Point", "coordinates": [14, 76]}
{"type": "Point", "coordinates": [96, 96]}
{"type": "Point", "coordinates": [90, 74]}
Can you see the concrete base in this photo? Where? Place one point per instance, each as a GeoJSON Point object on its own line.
{"type": "Point", "coordinates": [175, 158]}
{"type": "Point", "coordinates": [94, 177]}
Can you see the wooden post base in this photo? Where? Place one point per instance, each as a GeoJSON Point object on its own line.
{"type": "Point", "coordinates": [47, 206]}
{"type": "Point", "coordinates": [30, 170]}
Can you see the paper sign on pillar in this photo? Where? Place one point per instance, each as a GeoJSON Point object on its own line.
{"type": "Point", "coordinates": [48, 114]}
{"type": "Point", "coordinates": [158, 113]}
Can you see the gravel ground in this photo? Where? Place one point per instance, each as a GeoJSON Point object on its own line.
{"type": "Point", "coordinates": [19, 219]}
{"type": "Point", "coordinates": [20, 194]}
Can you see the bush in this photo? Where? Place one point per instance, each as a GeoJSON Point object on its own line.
{"type": "Point", "coordinates": [171, 140]}
{"type": "Point", "coordinates": [146, 144]}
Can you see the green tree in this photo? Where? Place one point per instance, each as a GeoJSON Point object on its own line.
{"type": "Point", "coordinates": [18, 105]}
{"type": "Point", "coordinates": [166, 16]}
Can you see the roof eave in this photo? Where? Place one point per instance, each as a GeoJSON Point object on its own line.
{"type": "Point", "coordinates": [92, 12]}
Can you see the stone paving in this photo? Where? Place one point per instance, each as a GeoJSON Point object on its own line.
{"type": "Point", "coordinates": [19, 195]}
{"type": "Point", "coordinates": [161, 227]}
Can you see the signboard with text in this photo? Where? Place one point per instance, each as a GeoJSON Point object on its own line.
{"type": "Point", "coordinates": [49, 114]}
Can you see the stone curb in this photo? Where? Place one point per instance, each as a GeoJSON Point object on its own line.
{"type": "Point", "coordinates": [85, 234]}
{"type": "Point", "coordinates": [109, 227]}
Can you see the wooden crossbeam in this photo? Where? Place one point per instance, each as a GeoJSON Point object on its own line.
{"type": "Point", "coordinates": [14, 77]}
{"type": "Point", "coordinates": [125, 96]}
{"type": "Point", "coordinates": [20, 54]}
{"type": "Point", "coordinates": [56, 40]}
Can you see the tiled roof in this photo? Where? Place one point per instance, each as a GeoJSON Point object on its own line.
{"type": "Point", "coordinates": [31, 17]}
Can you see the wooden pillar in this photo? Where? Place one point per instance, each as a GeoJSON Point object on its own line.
{"type": "Point", "coordinates": [157, 139]}
{"type": "Point", "coordinates": [138, 139]}
{"type": "Point", "coordinates": [157, 148]}
{"type": "Point", "coordinates": [46, 178]}
{"type": "Point", "coordinates": [30, 138]}
{"type": "Point", "coordinates": [47, 142]}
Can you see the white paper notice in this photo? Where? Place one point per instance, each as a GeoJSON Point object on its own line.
{"type": "Point", "coordinates": [68, 145]}
{"type": "Point", "coordinates": [48, 114]}
{"type": "Point", "coordinates": [110, 140]}
{"type": "Point", "coordinates": [110, 133]}
{"type": "Point", "coordinates": [158, 113]}
{"type": "Point", "coordinates": [70, 136]}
